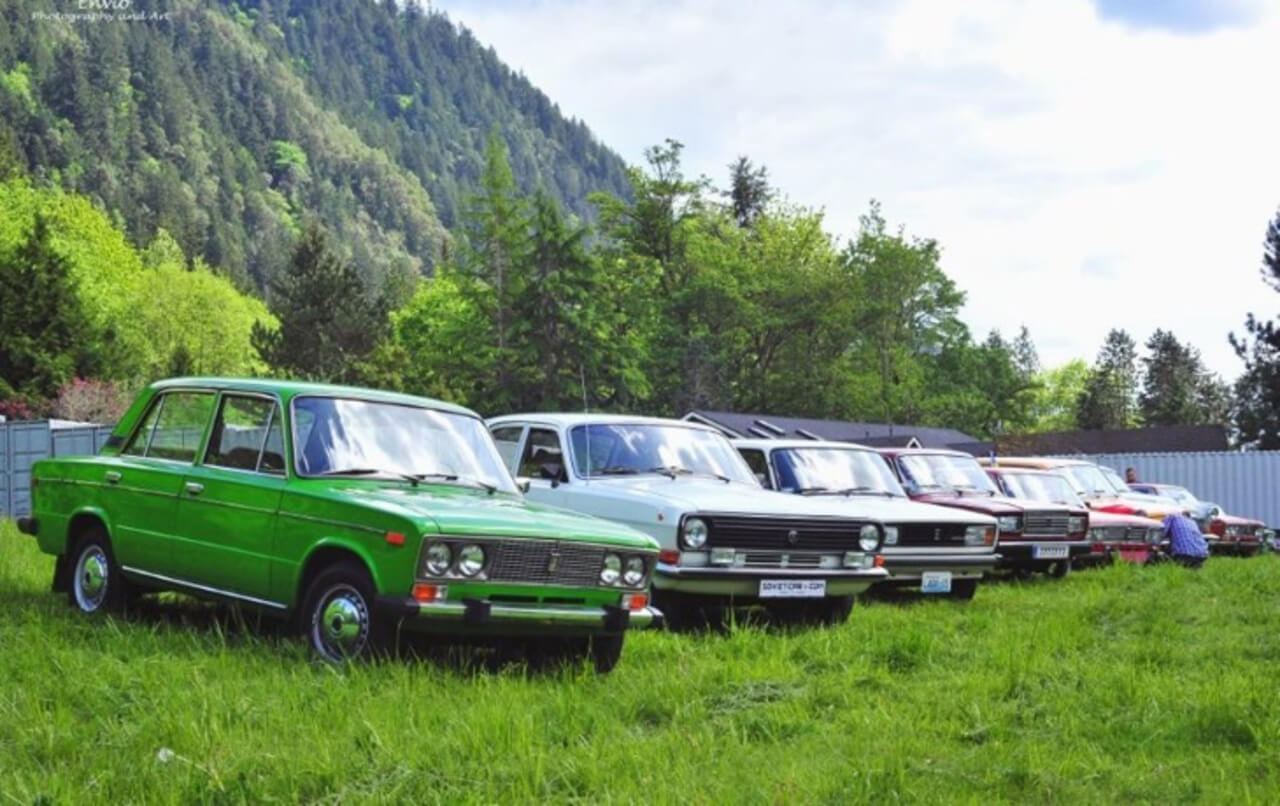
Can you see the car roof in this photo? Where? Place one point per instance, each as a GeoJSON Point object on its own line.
{"type": "Point", "coordinates": [294, 388]}
{"type": "Point", "coordinates": [799, 443]}
{"type": "Point", "coordinates": [923, 452]}
{"type": "Point", "coordinates": [1033, 462]}
{"type": "Point", "coordinates": [570, 419]}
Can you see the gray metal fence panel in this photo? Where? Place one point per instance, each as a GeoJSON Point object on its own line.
{"type": "Point", "coordinates": [6, 508]}
{"type": "Point", "coordinates": [1246, 484]}
{"type": "Point", "coordinates": [22, 444]}
{"type": "Point", "coordinates": [77, 441]}
{"type": "Point", "coordinates": [100, 434]}
{"type": "Point", "coordinates": [28, 442]}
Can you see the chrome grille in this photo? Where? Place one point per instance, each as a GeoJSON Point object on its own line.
{"type": "Point", "coordinates": [931, 534]}
{"type": "Point", "coordinates": [765, 533]}
{"type": "Point", "coordinates": [1045, 524]}
{"type": "Point", "coordinates": [1136, 534]}
{"type": "Point", "coordinates": [777, 559]}
{"type": "Point", "coordinates": [531, 561]}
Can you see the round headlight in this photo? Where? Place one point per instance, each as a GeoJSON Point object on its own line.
{"type": "Point", "coordinates": [438, 559]}
{"type": "Point", "coordinates": [633, 574]}
{"type": "Point", "coordinates": [612, 568]}
{"type": "Point", "coordinates": [869, 537]}
{"type": "Point", "coordinates": [470, 560]}
{"type": "Point", "coordinates": [1008, 523]}
{"type": "Point", "coordinates": [695, 533]}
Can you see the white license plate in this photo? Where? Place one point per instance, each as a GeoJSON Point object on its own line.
{"type": "Point", "coordinates": [935, 582]}
{"type": "Point", "coordinates": [793, 588]}
{"type": "Point", "coordinates": [1040, 552]}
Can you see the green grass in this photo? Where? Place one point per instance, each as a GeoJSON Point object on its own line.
{"type": "Point", "coordinates": [1127, 684]}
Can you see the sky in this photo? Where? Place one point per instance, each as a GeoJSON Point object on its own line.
{"type": "Point", "coordinates": [1082, 165]}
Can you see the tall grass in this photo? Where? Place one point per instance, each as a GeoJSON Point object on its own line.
{"type": "Point", "coordinates": [1125, 684]}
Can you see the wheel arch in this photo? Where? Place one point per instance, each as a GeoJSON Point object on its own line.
{"type": "Point", "coordinates": [81, 521]}
{"type": "Point", "coordinates": [326, 552]}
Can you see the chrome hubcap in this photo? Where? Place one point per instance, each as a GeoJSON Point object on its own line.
{"type": "Point", "coordinates": [91, 578]}
{"type": "Point", "coordinates": [340, 624]}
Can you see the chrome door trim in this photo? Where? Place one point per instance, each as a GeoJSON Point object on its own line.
{"type": "Point", "coordinates": [203, 588]}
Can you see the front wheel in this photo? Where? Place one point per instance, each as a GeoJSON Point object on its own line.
{"type": "Point", "coordinates": [1060, 569]}
{"type": "Point", "coordinates": [96, 585]}
{"type": "Point", "coordinates": [606, 651]}
{"type": "Point", "coordinates": [338, 617]}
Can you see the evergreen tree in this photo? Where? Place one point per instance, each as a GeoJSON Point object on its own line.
{"type": "Point", "coordinates": [1108, 399]}
{"type": "Point", "coordinates": [749, 192]}
{"type": "Point", "coordinates": [1171, 382]}
{"type": "Point", "coordinates": [1257, 391]}
{"type": "Point", "coordinates": [1025, 357]}
{"type": "Point", "coordinates": [43, 336]}
{"type": "Point", "coordinates": [328, 324]}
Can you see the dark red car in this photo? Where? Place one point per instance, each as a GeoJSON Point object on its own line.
{"type": "Point", "coordinates": [1034, 536]}
{"type": "Point", "coordinates": [1226, 534]}
{"type": "Point", "coordinates": [1112, 536]}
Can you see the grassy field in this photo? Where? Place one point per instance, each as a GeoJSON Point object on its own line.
{"type": "Point", "coordinates": [1126, 684]}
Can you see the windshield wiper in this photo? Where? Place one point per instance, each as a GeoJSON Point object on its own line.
{"type": "Point", "coordinates": [846, 491]}
{"type": "Point", "coordinates": [618, 470]}
{"type": "Point", "coordinates": [372, 471]}
{"type": "Point", "coordinates": [815, 491]}
{"type": "Point", "coordinates": [452, 478]}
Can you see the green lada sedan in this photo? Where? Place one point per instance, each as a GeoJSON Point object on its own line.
{"type": "Point", "coordinates": [353, 512]}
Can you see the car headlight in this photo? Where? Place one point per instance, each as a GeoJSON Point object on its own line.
{"type": "Point", "coordinates": [977, 535]}
{"type": "Point", "coordinates": [612, 569]}
{"type": "Point", "coordinates": [470, 560]}
{"type": "Point", "coordinates": [695, 533]}
{"type": "Point", "coordinates": [1075, 525]}
{"type": "Point", "coordinates": [869, 537]}
{"type": "Point", "coordinates": [1009, 523]}
{"type": "Point", "coordinates": [1098, 533]}
{"type": "Point", "coordinates": [891, 535]}
{"type": "Point", "coordinates": [1233, 531]}
{"type": "Point", "coordinates": [438, 559]}
{"type": "Point", "coordinates": [633, 572]}
{"type": "Point", "coordinates": [1155, 535]}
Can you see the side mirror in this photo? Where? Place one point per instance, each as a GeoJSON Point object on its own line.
{"type": "Point", "coordinates": [523, 483]}
{"type": "Point", "coordinates": [551, 470]}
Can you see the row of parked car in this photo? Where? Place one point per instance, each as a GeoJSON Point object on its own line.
{"type": "Point", "coordinates": [358, 513]}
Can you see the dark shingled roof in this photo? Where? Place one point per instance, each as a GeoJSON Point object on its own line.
{"type": "Point", "coordinates": [877, 435]}
{"type": "Point", "coordinates": [1157, 439]}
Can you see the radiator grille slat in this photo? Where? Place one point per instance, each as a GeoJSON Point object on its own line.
{"type": "Point", "coordinates": [531, 561]}
{"type": "Point", "coordinates": [1045, 524]}
{"type": "Point", "coordinates": [931, 534]}
{"type": "Point", "coordinates": [765, 533]}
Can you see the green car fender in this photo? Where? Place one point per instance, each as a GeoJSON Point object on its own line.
{"type": "Point", "coordinates": [373, 560]}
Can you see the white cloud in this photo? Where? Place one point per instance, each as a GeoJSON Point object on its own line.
{"type": "Point", "coordinates": [1079, 173]}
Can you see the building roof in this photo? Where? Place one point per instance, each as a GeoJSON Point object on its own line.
{"type": "Point", "coordinates": [1156, 439]}
{"type": "Point", "coordinates": [768, 426]}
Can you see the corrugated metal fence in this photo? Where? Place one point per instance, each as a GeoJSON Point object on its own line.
{"type": "Point", "coordinates": [1246, 484]}
{"type": "Point", "coordinates": [22, 443]}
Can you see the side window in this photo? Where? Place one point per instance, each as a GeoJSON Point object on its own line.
{"type": "Point", "coordinates": [543, 458]}
{"type": "Point", "coordinates": [239, 433]}
{"type": "Point", "coordinates": [758, 464]}
{"type": "Point", "coordinates": [273, 451]}
{"type": "Point", "coordinates": [138, 444]}
{"type": "Point", "coordinates": [507, 438]}
{"type": "Point", "coordinates": [180, 426]}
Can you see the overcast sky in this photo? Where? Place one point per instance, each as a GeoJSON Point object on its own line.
{"type": "Point", "coordinates": [1083, 165]}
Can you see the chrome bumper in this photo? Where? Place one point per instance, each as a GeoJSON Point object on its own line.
{"type": "Point", "coordinates": [911, 566]}
{"type": "Point", "coordinates": [736, 581]}
{"type": "Point", "coordinates": [479, 613]}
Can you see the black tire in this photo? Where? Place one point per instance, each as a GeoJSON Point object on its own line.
{"type": "Point", "coordinates": [963, 589]}
{"type": "Point", "coordinates": [95, 584]}
{"type": "Point", "coordinates": [338, 618]}
{"type": "Point", "coordinates": [1059, 569]}
{"type": "Point", "coordinates": [833, 610]}
{"type": "Point", "coordinates": [606, 651]}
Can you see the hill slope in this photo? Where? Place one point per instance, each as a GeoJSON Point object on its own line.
{"type": "Point", "coordinates": [227, 125]}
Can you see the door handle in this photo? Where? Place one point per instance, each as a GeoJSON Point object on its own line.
{"type": "Point", "coordinates": [194, 487]}
{"type": "Point", "coordinates": [113, 477]}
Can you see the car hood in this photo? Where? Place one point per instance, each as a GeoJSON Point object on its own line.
{"type": "Point", "coordinates": [1100, 518]}
{"type": "Point", "coordinates": [995, 505]}
{"type": "Point", "coordinates": [685, 494]}
{"type": "Point", "coordinates": [464, 511]}
{"type": "Point", "coordinates": [904, 510]}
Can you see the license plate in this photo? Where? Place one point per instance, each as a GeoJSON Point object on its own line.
{"type": "Point", "coordinates": [935, 582]}
{"type": "Point", "coordinates": [1049, 552]}
{"type": "Point", "coordinates": [793, 588]}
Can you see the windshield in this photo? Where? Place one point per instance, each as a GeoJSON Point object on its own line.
{"type": "Point", "coordinates": [1051, 488]}
{"type": "Point", "coordinates": [341, 436]}
{"type": "Point", "coordinates": [835, 470]}
{"type": "Point", "coordinates": [1117, 484]}
{"type": "Point", "coordinates": [1088, 480]}
{"type": "Point", "coordinates": [932, 471]}
{"type": "Point", "coordinates": [618, 449]}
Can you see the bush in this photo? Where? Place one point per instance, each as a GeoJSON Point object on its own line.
{"type": "Point", "coordinates": [90, 401]}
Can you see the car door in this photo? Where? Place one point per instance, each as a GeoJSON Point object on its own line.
{"type": "Point", "coordinates": [229, 500]}
{"type": "Point", "coordinates": [142, 484]}
{"type": "Point", "coordinates": [542, 461]}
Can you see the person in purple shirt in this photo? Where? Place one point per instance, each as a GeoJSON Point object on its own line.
{"type": "Point", "coordinates": [1186, 544]}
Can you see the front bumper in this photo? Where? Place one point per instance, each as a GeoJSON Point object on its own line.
{"type": "Point", "coordinates": [745, 582]}
{"type": "Point", "coordinates": [906, 569]}
{"type": "Point", "coordinates": [1021, 553]}
{"type": "Point", "coordinates": [480, 616]}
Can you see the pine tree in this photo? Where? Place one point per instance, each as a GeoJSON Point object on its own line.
{"type": "Point", "coordinates": [328, 324]}
{"type": "Point", "coordinates": [1025, 357]}
{"type": "Point", "coordinates": [43, 334]}
{"type": "Point", "coordinates": [749, 192]}
{"type": "Point", "coordinates": [1108, 399]}
{"type": "Point", "coordinates": [1257, 408]}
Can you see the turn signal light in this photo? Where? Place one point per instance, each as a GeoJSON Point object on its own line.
{"type": "Point", "coordinates": [395, 538]}
{"type": "Point", "coordinates": [425, 592]}
{"type": "Point", "coordinates": [879, 561]}
{"type": "Point", "coordinates": [635, 601]}
{"type": "Point", "coordinates": [669, 556]}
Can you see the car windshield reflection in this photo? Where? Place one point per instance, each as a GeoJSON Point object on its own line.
{"type": "Point", "coordinates": [623, 449]}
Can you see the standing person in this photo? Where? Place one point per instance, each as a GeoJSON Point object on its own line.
{"type": "Point", "coordinates": [1131, 475]}
{"type": "Point", "coordinates": [1186, 544]}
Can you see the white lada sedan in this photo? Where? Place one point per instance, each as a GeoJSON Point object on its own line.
{"type": "Point", "coordinates": [725, 540]}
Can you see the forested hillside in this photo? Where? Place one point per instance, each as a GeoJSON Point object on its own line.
{"type": "Point", "coordinates": [230, 125]}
